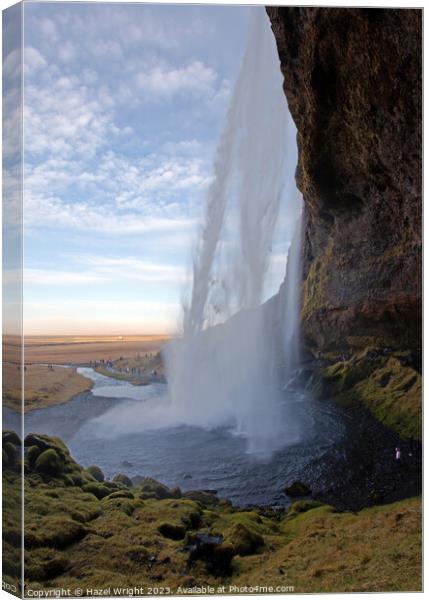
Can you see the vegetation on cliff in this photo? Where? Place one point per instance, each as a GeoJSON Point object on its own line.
{"type": "Point", "coordinates": [386, 384]}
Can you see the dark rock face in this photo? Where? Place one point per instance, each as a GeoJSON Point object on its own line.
{"type": "Point", "coordinates": [353, 85]}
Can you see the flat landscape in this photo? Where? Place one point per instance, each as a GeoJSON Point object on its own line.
{"type": "Point", "coordinates": [64, 350]}
{"type": "Point", "coordinates": [43, 386]}
{"type": "Point", "coordinates": [47, 384]}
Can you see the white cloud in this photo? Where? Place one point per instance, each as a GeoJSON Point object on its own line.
{"type": "Point", "coordinates": [33, 60]}
{"type": "Point", "coordinates": [102, 270]}
{"type": "Point", "coordinates": [196, 77]}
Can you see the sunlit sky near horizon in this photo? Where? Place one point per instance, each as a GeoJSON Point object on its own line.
{"type": "Point", "coordinates": [123, 108]}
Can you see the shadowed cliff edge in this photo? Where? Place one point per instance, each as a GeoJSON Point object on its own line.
{"type": "Point", "coordinates": [352, 78]}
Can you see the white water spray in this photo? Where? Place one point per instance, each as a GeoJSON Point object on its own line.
{"type": "Point", "coordinates": [236, 355]}
{"type": "Point", "coordinates": [225, 370]}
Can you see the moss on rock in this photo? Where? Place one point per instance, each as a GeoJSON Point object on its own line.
{"type": "Point", "coordinates": [123, 480]}
{"type": "Point", "coordinates": [49, 463]}
{"type": "Point", "coordinates": [96, 473]}
{"type": "Point", "coordinates": [243, 540]}
{"type": "Point", "coordinates": [389, 389]}
{"type": "Point", "coordinates": [97, 489]}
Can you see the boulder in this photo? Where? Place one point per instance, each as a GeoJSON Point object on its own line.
{"type": "Point", "coordinates": [297, 489]}
{"type": "Point", "coordinates": [212, 550]}
{"type": "Point", "coordinates": [12, 453]}
{"type": "Point", "coordinates": [12, 437]}
{"type": "Point", "coordinates": [123, 480]}
{"type": "Point", "coordinates": [49, 463]}
{"type": "Point", "coordinates": [243, 540]}
{"type": "Point", "coordinates": [96, 473]}
{"type": "Point", "coordinates": [97, 489]}
{"type": "Point", "coordinates": [152, 489]}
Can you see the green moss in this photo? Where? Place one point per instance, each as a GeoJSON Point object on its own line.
{"type": "Point", "coordinates": [32, 455]}
{"type": "Point", "coordinates": [49, 463]}
{"type": "Point", "coordinates": [120, 494]}
{"type": "Point", "coordinates": [73, 539]}
{"type": "Point", "coordinates": [301, 506]}
{"type": "Point", "coordinates": [100, 491]}
{"type": "Point", "coordinates": [11, 452]}
{"type": "Point", "coordinates": [96, 473]}
{"type": "Point", "coordinates": [45, 564]}
{"type": "Point", "coordinates": [56, 532]}
{"type": "Point", "coordinates": [244, 540]}
{"type": "Point", "coordinates": [315, 285]}
{"type": "Point", "coordinates": [152, 489]}
{"type": "Point", "coordinates": [389, 389]}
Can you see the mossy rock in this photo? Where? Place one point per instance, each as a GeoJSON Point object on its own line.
{"type": "Point", "coordinates": [111, 484]}
{"type": "Point", "coordinates": [5, 459]}
{"type": "Point", "coordinates": [54, 531]}
{"type": "Point", "coordinates": [33, 453]}
{"type": "Point", "coordinates": [123, 480]}
{"type": "Point", "coordinates": [11, 437]}
{"type": "Point", "coordinates": [301, 506]}
{"type": "Point", "coordinates": [152, 489]}
{"type": "Point", "coordinates": [77, 479]}
{"type": "Point", "coordinates": [204, 498]}
{"type": "Point", "coordinates": [96, 473]}
{"type": "Point", "coordinates": [173, 531]}
{"type": "Point", "coordinates": [213, 550]}
{"type": "Point", "coordinates": [45, 566]}
{"type": "Point", "coordinates": [100, 491]}
{"type": "Point", "coordinates": [49, 463]}
{"type": "Point", "coordinates": [243, 540]}
{"type": "Point", "coordinates": [120, 494]}
{"type": "Point", "coordinates": [12, 453]}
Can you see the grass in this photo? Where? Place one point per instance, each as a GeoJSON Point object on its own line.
{"type": "Point", "coordinates": [42, 386]}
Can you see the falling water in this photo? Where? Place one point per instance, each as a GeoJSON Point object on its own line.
{"type": "Point", "coordinates": [235, 354]}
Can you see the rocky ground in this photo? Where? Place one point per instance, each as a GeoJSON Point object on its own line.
{"type": "Point", "coordinates": [84, 532]}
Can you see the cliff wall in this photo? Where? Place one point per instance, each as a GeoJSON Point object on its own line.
{"type": "Point", "coordinates": [352, 78]}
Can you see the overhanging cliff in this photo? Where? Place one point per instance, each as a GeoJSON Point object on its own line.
{"type": "Point", "coordinates": [352, 78]}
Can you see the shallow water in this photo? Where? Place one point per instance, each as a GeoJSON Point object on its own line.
{"type": "Point", "coordinates": [185, 456]}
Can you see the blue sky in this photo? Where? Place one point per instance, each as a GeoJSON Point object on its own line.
{"type": "Point", "coordinates": [123, 108]}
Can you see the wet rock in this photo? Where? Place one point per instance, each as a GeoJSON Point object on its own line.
{"type": "Point", "coordinates": [123, 480]}
{"type": "Point", "coordinates": [296, 489]}
{"type": "Point", "coordinates": [152, 489]}
{"type": "Point", "coordinates": [11, 437]}
{"type": "Point", "coordinates": [204, 498]}
{"type": "Point", "coordinates": [212, 550]}
{"type": "Point", "coordinates": [359, 169]}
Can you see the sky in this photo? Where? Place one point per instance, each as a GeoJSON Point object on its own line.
{"type": "Point", "coordinates": [123, 107]}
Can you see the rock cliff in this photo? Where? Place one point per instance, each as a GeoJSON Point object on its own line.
{"type": "Point", "coordinates": [352, 78]}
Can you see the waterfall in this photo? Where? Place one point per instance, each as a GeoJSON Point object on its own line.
{"type": "Point", "coordinates": [225, 369]}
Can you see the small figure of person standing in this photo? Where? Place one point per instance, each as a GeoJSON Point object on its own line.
{"type": "Point", "coordinates": [397, 454]}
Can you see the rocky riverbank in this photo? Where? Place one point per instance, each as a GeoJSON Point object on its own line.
{"type": "Point", "coordinates": [84, 532]}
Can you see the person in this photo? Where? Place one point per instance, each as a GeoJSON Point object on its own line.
{"type": "Point", "coordinates": [398, 453]}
